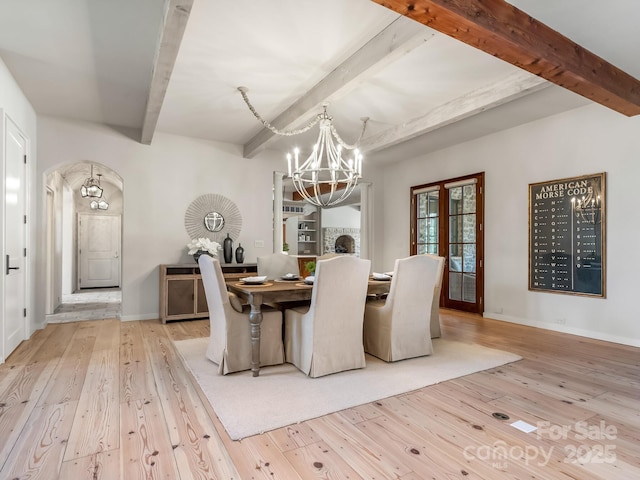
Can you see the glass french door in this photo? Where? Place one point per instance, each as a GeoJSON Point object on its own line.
{"type": "Point", "coordinates": [446, 220]}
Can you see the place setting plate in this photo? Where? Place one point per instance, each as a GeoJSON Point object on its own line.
{"type": "Point", "coordinates": [289, 277]}
{"type": "Point", "coordinates": [381, 277]}
{"type": "Point", "coordinates": [306, 282]}
{"type": "Point", "coordinates": [254, 281]}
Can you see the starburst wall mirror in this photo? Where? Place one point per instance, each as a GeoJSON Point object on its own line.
{"type": "Point", "coordinates": [213, 216]}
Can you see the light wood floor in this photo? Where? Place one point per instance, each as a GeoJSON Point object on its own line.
{"type": "Point", "coordinates": [110, 400]}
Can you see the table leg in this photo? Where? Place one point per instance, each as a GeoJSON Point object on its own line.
{"type": "Point", "coordinates": [255, 319]}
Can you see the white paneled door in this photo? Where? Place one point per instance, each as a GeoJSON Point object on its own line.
{"type": "Point", "coordinates": [15, 328]}
{"type": "Point", "coordinates": [99, 253]}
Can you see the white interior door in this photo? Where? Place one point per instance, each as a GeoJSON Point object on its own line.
{"type": "Point", "coordinates": [99, 250]}
{"type": "Point", "coordinates": [14, 262]}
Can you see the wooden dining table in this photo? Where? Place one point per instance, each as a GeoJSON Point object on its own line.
{"type": "Point", "coordinates": [275, 291]}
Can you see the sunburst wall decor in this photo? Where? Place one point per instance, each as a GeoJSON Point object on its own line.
{"type": "Point", "coordinates": [213, 216]}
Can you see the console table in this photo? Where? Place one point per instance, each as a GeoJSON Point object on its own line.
{"type": "Point", "coordinates": [182, 294]}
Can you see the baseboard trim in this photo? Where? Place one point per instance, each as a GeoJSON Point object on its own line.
{"type": "Point", "coordinates": [564, 329]}
{"type": "Point", "coordinates": [133, 318]}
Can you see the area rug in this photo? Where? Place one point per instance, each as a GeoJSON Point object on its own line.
{"type": "Point", "coordinates": [282, 395]}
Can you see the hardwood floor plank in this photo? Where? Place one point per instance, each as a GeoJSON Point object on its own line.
{"type": "Point", "coordinates": [623, 410]}
{"type": "Point", "coordinates": [135, 381]}
{"type": "Point", "coordinates": [145, 447]}
{"type": "Point", "coordinates": [487, 438]}
{"type": "Point", "coordinates": [97, 425]}
{"type": "Point", "coordinates": [319, 460]}
{"type": "Point", "coordinates": [294, 436]}
{"type": "Point", "coordinates": [405, 447]}
{"type": "Point", "coordinates": [99, 466]}
{"type": "Point", "coordinates": [136, 375]}
{"type": "Point", "coordinates": [368, 458]}
{"type": "Point", "coordinates": [18, 400]}
{"type": "Point", "coordinates": [68, 378]}
{"type": "Point", "coordinates": [27, 349]}
{"type": "Point", "coordinates": [40, 447]}
{"type": "Point", "coordinates": [262, 460]}
{"type": "Point", "coordinates": [197, 447]}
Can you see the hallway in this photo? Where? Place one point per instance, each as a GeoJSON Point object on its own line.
{"type": "Point", "coordinates": [90, 304]}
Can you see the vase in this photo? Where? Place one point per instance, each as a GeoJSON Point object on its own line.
{"type": "Point", "coordinates": [196, 255]}
{"type": "Point", "coordinates": [239, 253]}
{"type": "Point", "coordinates": [227, 249]}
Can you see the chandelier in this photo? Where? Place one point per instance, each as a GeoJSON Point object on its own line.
{"type": "Point", "coordinates": [326, 177]}
{"type": "Point", "coordinates": [101, 204]}
{"type": "Point", "coordinates": [91, 186]}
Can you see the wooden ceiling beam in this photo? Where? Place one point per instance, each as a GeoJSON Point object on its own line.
{"type": "Point", "coordinates": [502, 30]}
{"type": "Point", "coordinates": [175, 22]}
{"type": "Point", "coordinates": [396, 40]}
{"type": "Point", "coordinates": [512, 87]}
{"type": "Point", "coordinates": [323, 188]}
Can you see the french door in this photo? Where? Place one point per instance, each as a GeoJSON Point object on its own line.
{"type": "Point", "coordinates": [447, 220]}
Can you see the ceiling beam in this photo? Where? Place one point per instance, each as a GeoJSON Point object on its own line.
{"type": "Point", "coordinates": [512, 87]}
{"type": "Point", "coordinates": [174, 25]}
{"type": "Point", "coordinates": [397, 39]}
{"type": "Point", "coordinates": [508, 33]}
{"type": "Point", "coordinates": [323, 188]}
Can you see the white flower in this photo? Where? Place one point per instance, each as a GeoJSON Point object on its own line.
{"type": "Point", "coordinates": [204, 244]}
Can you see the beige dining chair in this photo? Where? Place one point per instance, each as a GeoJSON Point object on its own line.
{"type": "Point", "coordinates": [326, 336]}
{"type": "Point", "coordinates": [399, 326]}
{"type": "Point", "coordinates": [230, 336]}
{"type": "Point", "coordinates": [277, 265]}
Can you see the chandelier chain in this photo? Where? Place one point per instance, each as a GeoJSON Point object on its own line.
{"type": "Point", "coordinates": [277, 131]}
{"type": "Point", "coordinates": [347, 145]}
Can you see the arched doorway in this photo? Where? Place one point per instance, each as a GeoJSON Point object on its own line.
{"type": "Point", "coordinates": [85, 256]}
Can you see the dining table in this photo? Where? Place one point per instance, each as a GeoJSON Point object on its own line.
{"type": "Point", "coordinates": [277, 291]}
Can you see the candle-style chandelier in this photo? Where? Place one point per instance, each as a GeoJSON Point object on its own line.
{"type": "Point", "coordinates": [326, 177]}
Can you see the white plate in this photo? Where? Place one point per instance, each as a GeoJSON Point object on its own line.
{"type": "Point", "coordinates": [380, 276]}
{"type": "Point", "coordinates": [309, 280]}
{"type": "Point", "coordinates": [290, 276]}
{"type": "Point", "coordinates": [256, 280]}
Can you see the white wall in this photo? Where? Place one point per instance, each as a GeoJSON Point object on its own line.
{"type": "Point", "coordinates": [583, 141]}
{"type": "Point", "coordinates": [160, 181]}
{"type": "Point", "coordinates": [15, 105]}
{"type": "Point", "coordinates": [340, 217]}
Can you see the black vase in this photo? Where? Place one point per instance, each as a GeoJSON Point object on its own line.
{"type": "Point", "coordinates": [239, 253]}
{"type": "Point", "coordinates": [227, 249]}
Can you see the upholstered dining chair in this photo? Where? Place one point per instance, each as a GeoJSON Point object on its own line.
{"type": "Point", "coordinates": [230, 337]}
{"type": "Point", "coordinates": [326, 336]}
{"type": "Point", "coordinates": [276, 265]}
{"type": "Point", "coordinates": [399, 326]}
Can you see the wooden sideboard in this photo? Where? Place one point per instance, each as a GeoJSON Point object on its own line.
{"type": "Point", "coordinates": [182, 294]}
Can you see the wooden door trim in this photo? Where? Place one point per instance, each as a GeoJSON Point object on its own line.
{"type": "Point", "coordinates": [443, 235]}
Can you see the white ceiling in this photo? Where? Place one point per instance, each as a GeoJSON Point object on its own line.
{"type": "Point", "coordinates": [93, 60]}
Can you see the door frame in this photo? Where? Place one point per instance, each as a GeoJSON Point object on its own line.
{"type": "Point", "coordinates": [443, 236]}
{"type": "Point", "coordinates": [5, 120]}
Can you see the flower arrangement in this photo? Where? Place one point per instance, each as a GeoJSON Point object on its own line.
{"type": "Point", "coordinates": [203, 245]}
